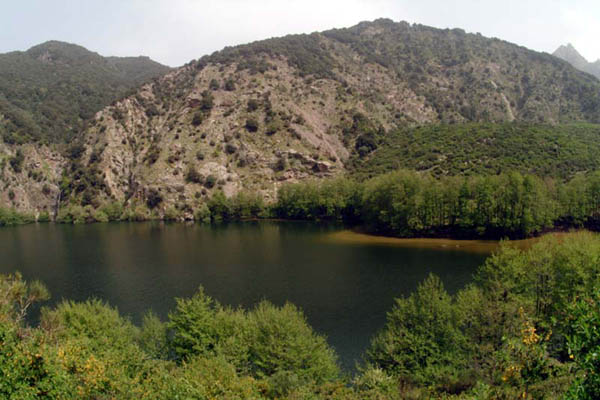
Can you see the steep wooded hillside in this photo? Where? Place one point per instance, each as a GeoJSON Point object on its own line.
{"type": "Point", "coordinates": [49, 91]}
{"type": "Point", "coordinates": [254, 116]}
{"type": "Point", "coordinates": [47, 95]}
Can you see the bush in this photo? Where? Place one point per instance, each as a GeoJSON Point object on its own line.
{"type": "Point", "coordinates": [153, 198]}
{"type": "Point", "coordinates": [230, 85]}
{"type": "Point", "coordinates": [113, 210]}
{"type": "Point", "coordinates": [230, 148]}
{"type": "Point", "coordinates": [210, 181]}
{"type": "Point", "coordinates": [203, 214]}
{"type": "Point", "coordinates": [253, 105]}
{"type": "Point", "coordinates": [206, 102]}
{"type": "Point", "coordinates": [193, 176]}
{"type": "Point", "coordinates": [16, 162]}
{"type": "Point", "coordinates": [11, 217]}
{"type": "Point", "coordinates": [93, 319]}
{"type": "Point", "coordinates": [214, 84]}
{"type": "Point", "coordinates": [198, 118]}
{"type": "Point", "coordinates": [282, 341]}
{"type": "Point", "coordinates": [251, 125]}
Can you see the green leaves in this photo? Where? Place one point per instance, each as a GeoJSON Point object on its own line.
{"type": "Point", "coordinates": [583, 340]}
{"type": "Point", "coordinates": [421, 343]}
{"type": "Point", "coordinates": [265, 341]}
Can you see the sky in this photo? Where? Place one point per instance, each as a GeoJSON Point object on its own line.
{"type": "Point", "coordinates": [174, 32]}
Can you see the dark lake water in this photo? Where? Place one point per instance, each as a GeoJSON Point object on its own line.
{"type": "Point", "coordinates": [344, 287]}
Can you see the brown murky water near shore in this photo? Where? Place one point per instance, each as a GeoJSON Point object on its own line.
{"type": "Point", "coordinates": [471, 246]}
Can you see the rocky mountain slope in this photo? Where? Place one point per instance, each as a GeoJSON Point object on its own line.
{"type": "Point", "coordinates": [251, 117]}
{"type": "Point", "coordinates": [47, 95]}
{"type": "Point", "coordinates": [572, 56]}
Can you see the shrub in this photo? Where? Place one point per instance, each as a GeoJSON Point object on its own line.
{"type": "Point", "coordinates": [193, 176]}
{"type": "Point", "coordinates": [93, 320]}
{"type": "Point", "coordinates": [583, 339]}
{"type": "Point", "coordinates": [198, 118]}
{"type": "Point", "coordinates": [44, 216]}
{"type": "Point", "coordinates": [273, 127]}
{"type": "Point", "coordinates": [16, 162]}
{"type": "Point", "coordinates": [210, 181]}
{"type": "Point", "coordinates": [253, 105]}
{"type": "Point", "coordinates": [206, 103]}
{"type": "Point", "coordinates": [203, 214]}
{"type": "Point", "coordinates": [230, 148]}
{"type": "Point", "coordinates": [113, 210]}
{"type": "Point", "coordinates": [153, 198]}
{"type": "Point", "coordinates": [251, 125]}
{"type": "Point", "coordinates": [153, 154]}
{"type": "Point", "coordinates": [214, 84]}
{"type": "Point", "coordinates": [230, 85]}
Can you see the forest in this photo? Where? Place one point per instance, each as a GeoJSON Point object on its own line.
{"type": "Point", "coordinates": [526, 327]}
{"type": "Point", "coordinates": [409, 204]}
{"type": "Point", "coordinates": [401, 204]}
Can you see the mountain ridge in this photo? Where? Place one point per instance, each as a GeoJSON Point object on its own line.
{"type": "Point", "coordinates": [253, 117]}
{"type": "Point", "coordinates": [48, 91]}
{"type": "Point", "coordinates": [571, 55]}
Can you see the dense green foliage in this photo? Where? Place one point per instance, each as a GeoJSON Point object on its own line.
{"type": "Point", "coordinates": [485, 149]}
{"type": "Point", "coordinates": [48, 92]}
{"type": "Point", "coordinates": [527, 327]}
{"type": "Point", "coordinates": [583, 338]}
{"type": "Point", "coordinates": [507, 335]}
{"type": "Point", "coordinates": [10, 217]}
{"type": "Point", "coordinates": [407, 203]}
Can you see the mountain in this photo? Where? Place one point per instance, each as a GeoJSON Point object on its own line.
{"type": "Point", "coordinates": [255, 116]}
{"type": "Point", "coordinates": [572, 56]}
{"type": "Point", "coordinates": [49, 91]}
{"type": "Point", "coordinates": [250, 118]}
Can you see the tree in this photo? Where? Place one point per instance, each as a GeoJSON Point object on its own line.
{"type": "Point", "coordinates": [583, 340]}
{"type": "Point", "coordinates": [421, 342]}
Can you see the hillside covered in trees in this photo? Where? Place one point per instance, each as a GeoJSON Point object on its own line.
{"type": "Point", "coordinates": [48, 92]}
{"type": "Point", "coordinates": [361, 101]}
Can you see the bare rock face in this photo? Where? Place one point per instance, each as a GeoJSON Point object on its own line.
{"type": "Point", "coordinates": [33, 184]}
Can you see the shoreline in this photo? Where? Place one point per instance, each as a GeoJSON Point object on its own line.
{"type": "Point", "coordinates": [357, 236]}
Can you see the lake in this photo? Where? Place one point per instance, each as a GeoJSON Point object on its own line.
{"type": "Point", "coordinates": [344, 282]}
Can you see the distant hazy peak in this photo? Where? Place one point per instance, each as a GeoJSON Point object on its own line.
{"type": "Point", "coordinates": [572, 56]}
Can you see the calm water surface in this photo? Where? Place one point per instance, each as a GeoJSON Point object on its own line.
{"type": "Point", "coordinates": [344, 283]}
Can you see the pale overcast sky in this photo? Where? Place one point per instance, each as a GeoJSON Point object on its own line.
{"type": "Point", "coordinates": [175, 31]}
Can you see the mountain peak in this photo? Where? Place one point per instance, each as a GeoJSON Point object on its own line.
{"type": "Point", "coordinates": [572, 56]}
